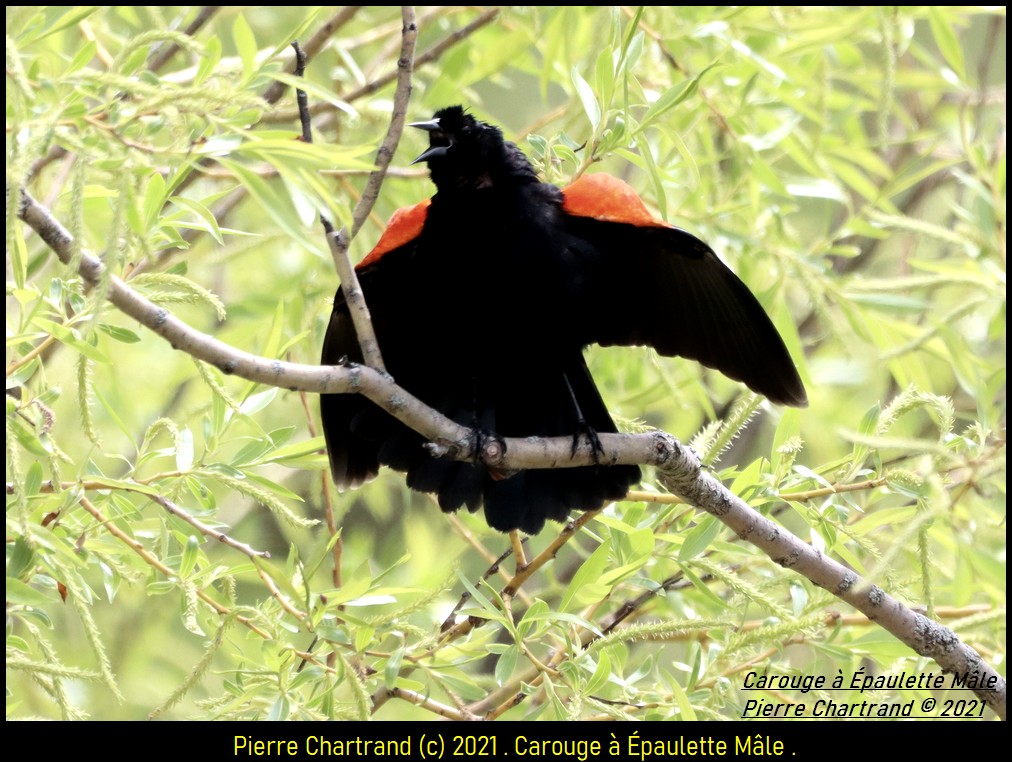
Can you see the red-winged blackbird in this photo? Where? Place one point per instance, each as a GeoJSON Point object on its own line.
{"type": "Point", "coordinates": [484, 299]}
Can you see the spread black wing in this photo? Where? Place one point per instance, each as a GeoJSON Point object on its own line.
{"type": "Point", "coordinates": [679, 298]}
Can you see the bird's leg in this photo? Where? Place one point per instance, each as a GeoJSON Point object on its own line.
{"type": "Point", "coordinates": [583, 428]}
{"type": "Point", "coordinates": [487, 444]}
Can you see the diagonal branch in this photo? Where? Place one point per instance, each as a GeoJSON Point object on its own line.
{"type": "Point", "coordinates": [160, 55]}
{"type": "Point", "coordinates": [432, 54]}
{"type": "Point", "coordinates": [151, 560]}
{"type": "Point", "coordinates": [341, 240]}
{"type": "Point", "coordinates": [313, 46]}
{"type": "Point", "coordinates": [678, 468]}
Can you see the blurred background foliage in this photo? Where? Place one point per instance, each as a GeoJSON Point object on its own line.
{"type": "Point", "coordinates": [847, 162]}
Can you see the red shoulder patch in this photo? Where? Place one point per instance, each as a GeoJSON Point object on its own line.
{"type": "Point", "coordinates": [405, 225]}
{"type": "Point", "coordinates": [608, 199]}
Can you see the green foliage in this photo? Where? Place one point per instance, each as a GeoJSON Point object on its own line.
{"type": "Point", "coordinates": [847, 162]}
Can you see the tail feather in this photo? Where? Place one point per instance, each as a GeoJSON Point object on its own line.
{"type": "Point", "coordinates": [462, 487]}
{"type": "Point", "coordinates": [353, 460]}
{"type": "Point", "coordinates": [361, 437]}
{"type": "Point", "coordinates": [528, 499]}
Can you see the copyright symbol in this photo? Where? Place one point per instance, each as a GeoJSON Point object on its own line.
{"type": "Point", "coordinates": [928, 704]}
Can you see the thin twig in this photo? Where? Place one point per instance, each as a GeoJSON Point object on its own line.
{"type": "Point", "coordinates": [313, 45]}
{"type": "Point", "coordinates": [168, 505]}
{"type": "Point", "coordinates": [161, 55]}
{"type": "Point", "coordinates": [158, 58]}
{"type": "Point", "coordinates": [37, 350]}
{"type": "Point", "coordinates": [269, 171]}
{"type": "Point", "coordinates": [425, 702]}
{"type": "Point", "coordinates": [204, 529]}
{"type": "Point", "coordinates": [567, 533]}
{"type": "Point", "coordinates": [277, 595]}
{"type": "Point", "coordinates": [372, 86]}
{"type": "Point", "coordinates": [518, 550]}
{"type": "Point", "coordinates": [328, 497]}
{"type": "Point", "coordinates": [152, 561]}
{"type": "Point", "coordinates": [340, 241]}
{"type": "Point", "coordinates": [495, 568]}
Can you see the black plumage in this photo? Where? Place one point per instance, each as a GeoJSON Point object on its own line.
{"type": "Point", "coordinates": [483, 308]}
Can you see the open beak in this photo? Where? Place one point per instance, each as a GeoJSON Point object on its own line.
{"type": "Point", "coordinates": [433, 152]}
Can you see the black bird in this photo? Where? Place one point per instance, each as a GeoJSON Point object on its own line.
{"type": "Point", "coordinates": [483, 301]}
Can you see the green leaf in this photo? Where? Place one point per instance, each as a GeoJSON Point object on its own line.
{"type": "Point", "coordinates": [297, 450]}
{"type": "Point", "coordinates": [602, 673]}
{"type": "Point", "coordinates": [545, 614]}
{"type": "Point", "coordinates": [21, 559]}
{"type": "Point", "coordinates": [605, 74]}
{"type": "Point", "coordinates": [587, 97]}
{"type": "Point", "coordinates": [210, 223]}
{"type": "Point", "coordinates": [391, 671]}
{"type": "Point", "coordinates": [671, 98]}
{"type": "Point", "coordinates": [23, 374]}
{"type": "Point", "coordinates": [36, 444]}
{"type": "Point", "coordinates": [279, 710]}
{"type": "Point", "coordinates": [257, 402]}
{"type": "Point", "coordinates": [277, 206]}
{"type": "Point", "coordinates": [535, 612]}
{"type": "Point", "coordinates": [506, 664]}
{"type": "Point", "coordinates": [273, 486]}
{"type": "Point", "coordinates": [245, 44]}
{"type": "Point", "coordinates": [69, 337]}
{"type": "Point", "coordinates": [585, 586]}
{"type": "Point", "coordinates": [20, 594]}
{"type": "Point", "coordinates": [700, 538]}
{"type": "Point", "coordinates": [209, 61]}
{"type": "Point", "coordinates": [488, 609]}
{"type": "Point", "coordinates": [81, 59]}
{"type": "Point", "coordinates": [189, 558]}
{"type": "Point", "coordinates": [33, 479]}
{"type": "Point", "coordinates": [68, 19]}
{"type": "Point", "coordinates": [685, 710]}
{"type": "Point", "coordinates": [317, 92]}
{"type": "Point", "coordinates": [945, 38]}
{"type": "Point", "coordinates": [120, 334]}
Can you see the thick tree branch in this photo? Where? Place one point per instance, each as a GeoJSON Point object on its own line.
{"type": "Point", "coordinates": [679, 469]}
{"type": "Point", "coordinates": [926, 637]}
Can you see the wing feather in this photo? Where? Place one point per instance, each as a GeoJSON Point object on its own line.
{"type": "Point", "coordinates": [677, 296]}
